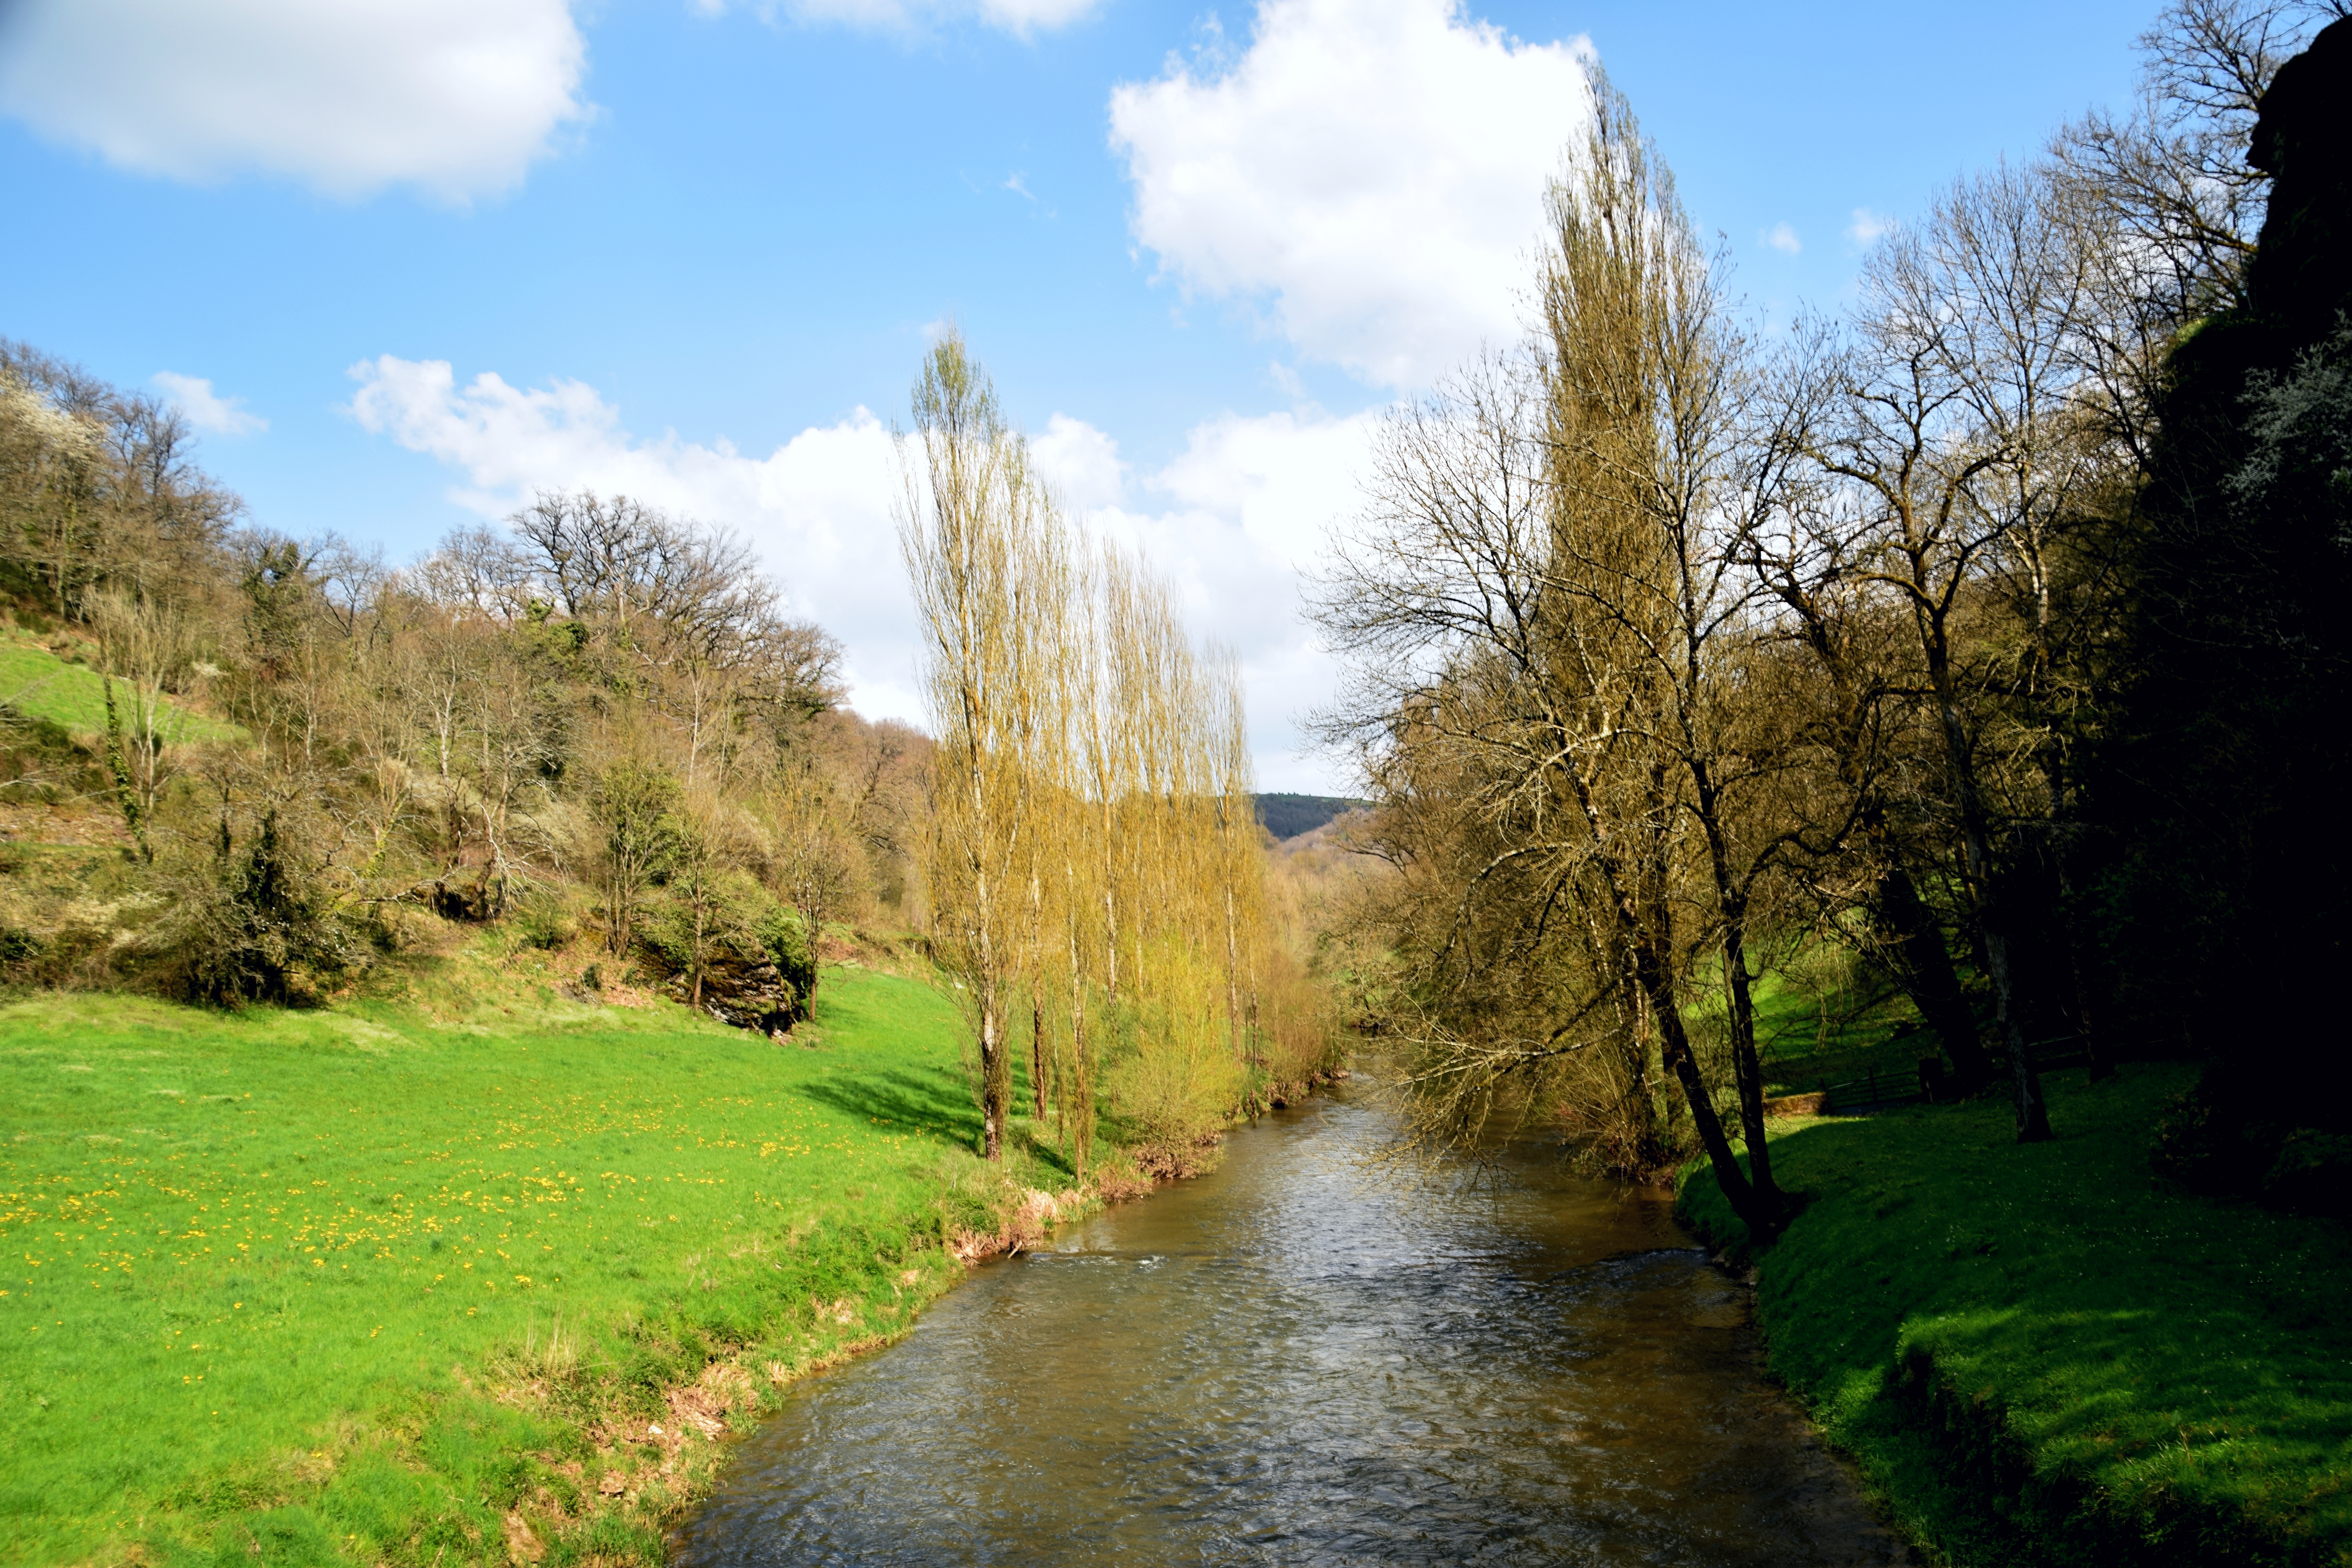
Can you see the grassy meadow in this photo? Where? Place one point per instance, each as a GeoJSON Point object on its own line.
{"type": "Point", "coordinates": [2047, 1354]}
{"type": "Point", "coordinates": [468, 1272]}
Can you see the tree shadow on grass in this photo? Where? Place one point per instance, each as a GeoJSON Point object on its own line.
{"type": "Point", "coordinates": [932, 1103]}
{"type": "Point", "coordinates": [935, 1103]}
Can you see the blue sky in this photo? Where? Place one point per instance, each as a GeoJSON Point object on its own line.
{"type": "Point", "coordinates": [699, 245]}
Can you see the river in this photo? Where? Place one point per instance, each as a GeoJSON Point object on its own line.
{"type": "Point", "coordinates": [1301, 1359]}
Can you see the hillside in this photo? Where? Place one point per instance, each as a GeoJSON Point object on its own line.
{"type": "Point", "coordinates": [1288, 815]}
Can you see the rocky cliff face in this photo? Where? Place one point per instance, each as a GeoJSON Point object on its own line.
{"type": "Point", "coordinates": [2222, 785]}
{"type": "Point", "coordinates": [2302, 276]}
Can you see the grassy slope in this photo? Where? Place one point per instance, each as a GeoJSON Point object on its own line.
{"type": "Point", "coordinates": [38, 684]}
{"type": "Point", "coordinates": [2048, 1353]}
{"type": "Point", "coordinates": [284, 1283]}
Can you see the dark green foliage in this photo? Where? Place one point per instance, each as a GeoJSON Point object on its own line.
{"type": "Point", "coordinates": [544, 921]}
{"type": "Point", "coordinates": [635, 805]}
{"type": "Point", "coordinates": [277, 585]}
{"type": "Point", "coordinates": [786, 937]}
{"type": "Point", "coordinates": [2217, 796]}
{"type": "Point", "coordinates": [256, 928]}
{"type": "Point", "coordinates": [711, 938]}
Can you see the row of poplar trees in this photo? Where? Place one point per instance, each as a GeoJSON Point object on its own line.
{"type": "Point", "coordinates": [1095, 868]}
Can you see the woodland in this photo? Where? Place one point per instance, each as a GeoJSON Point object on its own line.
{"type": "Point", "coordinates": [559, 845]}
{"type": "Point", "coordinates": [1973, 646]}
{"type": "Point", "coordinates": [1976, 644]}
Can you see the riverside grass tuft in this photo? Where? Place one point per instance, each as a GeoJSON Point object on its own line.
{"type": "Point", "coordinates": [476, 1275]}
{"type": "Point", "coordinates": [2048, 1354]}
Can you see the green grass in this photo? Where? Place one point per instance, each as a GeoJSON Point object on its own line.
{"type": "Point", "coordinates": [1806, 1044]}
{"type": "Point", "coordinates": [280, 1287]}
{"type": "Point", "coordinates": [39, 684]}
{"type": "Point", "coordinates": [2047, 1354]}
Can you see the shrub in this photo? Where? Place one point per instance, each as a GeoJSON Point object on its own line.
{"type": "Point", "coordinates": [253, 927]}
{"type": "Point", "coordinates": [544, 920]}
{"type": "Point", "coordinates": [790, 947]}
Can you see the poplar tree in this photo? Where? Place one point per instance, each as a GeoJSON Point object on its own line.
{"type": "Point", "coordinates": [969, 526]}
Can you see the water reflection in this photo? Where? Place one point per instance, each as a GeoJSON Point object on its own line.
{"type": "Point", "coordinates": [1289, 1360]}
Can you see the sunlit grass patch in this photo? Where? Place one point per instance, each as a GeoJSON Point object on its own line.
{"type": "Point", "coordinates": [39, 684]}
{"type": "Point", "coordinates": [2047, 1354]}
{"type": "Point", "coordinates": [348, 1277]}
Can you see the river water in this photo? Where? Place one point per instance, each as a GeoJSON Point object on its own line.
{"type": "Point", "coordinates": [1302, 1359]}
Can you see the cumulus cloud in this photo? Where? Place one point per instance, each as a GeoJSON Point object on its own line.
{"type": "Point", "coordinates": [1370, 171]}
{"type": "Point", "coordinates": [1230, 521]}
{"type": "Point", "coordinates": [206, 409]}
{"type": "Point", "coordinates": [1782, 238]}
{"type": "Point", "coordinates": [1080, 463]}
{"type": "Point", "coordinates": [456, 98]}
{"type": "Point", "coordinates": [1867, 228]}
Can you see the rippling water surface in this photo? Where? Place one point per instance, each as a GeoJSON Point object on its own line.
{"type": "Point", "coordinates": [1298, 1359]}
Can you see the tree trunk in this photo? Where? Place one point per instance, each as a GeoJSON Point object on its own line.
{"type": "Point", "coordinates": [991, 1100]}
{"type": "Point", "coordinates": [2032, 1113]}
{"type": "Point", "coordinates": [1924, 967]}
{"type": "Point", "coordinates": [1761, 1219]}
{"type": "Point", "coordinates": [1038, 1055]}
{"type": "Point", "coordinates": [1233, 982]}
{"type": "Point", "coordinates": [1731, 908]}
{"type": "Point", "coordinates": [1992, 928]}
{"type": "Point", "coordinates": [1747, 1069]}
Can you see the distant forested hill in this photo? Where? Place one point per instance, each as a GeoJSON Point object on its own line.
{"type": "Point", "coordinates": [1288, 815]}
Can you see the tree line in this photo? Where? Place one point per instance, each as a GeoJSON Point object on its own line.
{"type": "Point", "coordinates": [1952, 631]}
{"type": "Point", "coordinates": [1097, 870]}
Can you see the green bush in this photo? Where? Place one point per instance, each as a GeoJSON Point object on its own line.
{"type": "Point", "coordinates": [545, 919]}
{"type": "Point", "coordinates": [786, 937]}
{"type": "Point", "coordinates": [254, 926]}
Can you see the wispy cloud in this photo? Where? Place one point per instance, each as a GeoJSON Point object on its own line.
{"type": "Point", "coordinates": [1019, 18]}
{"type": "Point", "coordinates": [1867, 228]}
{"type": "Point", "coordinates": [1782, 238]}
{"type": "Point", "coordinates": [206, 409]}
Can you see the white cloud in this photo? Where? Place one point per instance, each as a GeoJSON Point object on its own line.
{"type": "Point", "coordinates": [818, 507]}
{"type": "Point", "coordinates": [1080, 463]}
{"type": "Point", "coordinates": [1374, 168]}
{"type": "Point", "coordinates": [206, 409]}
{"type": "Point", "coordinates": [456, 98]}
{"type": "Point", "coordinates": [1019, 18]}
{"type": "Point", "coordinates": [1782, 238]}
{"type": "Point", "coordinates": [1245, 508]}
{"type": "Point", "coordinates": [1238, 514]}
{"type": "Point", "coordinates": [1867, 228]}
